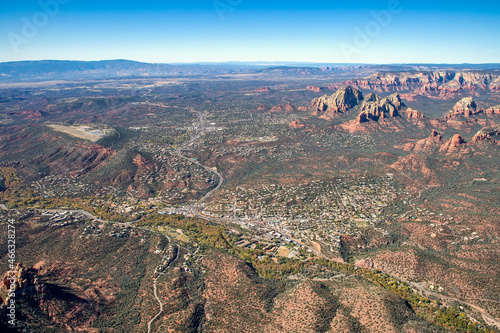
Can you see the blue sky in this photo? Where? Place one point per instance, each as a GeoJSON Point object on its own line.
{"type": "Point", "coordinates": [390, 31]}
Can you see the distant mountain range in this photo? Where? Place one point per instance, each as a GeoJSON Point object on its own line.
{"type": "Point", "coordinates": [23, 71]}
{"type": "Point", "coordinates": [77, 70]}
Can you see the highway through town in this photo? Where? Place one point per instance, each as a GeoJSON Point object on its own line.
{"type": "Point", "coordinates": [195, 210]}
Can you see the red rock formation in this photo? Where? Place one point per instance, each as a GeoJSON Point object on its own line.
{"type": "Point", "coordinates": [454, 145]}
{"type": "Point", "coordinates": [431, 143]}
{"type": "Point", "coordinates": [143, 163]}
{"type": "Point", "coordinates": [493, 110]}
{"type": "Point", "coordinates": [286, 108]}
{"type": "Point", "coordinates": [289, 107]}
{"type": "Point", "coordinates": [495, 84]}
{"type": "Point", "coordinates": [465, 107]}
{"type": "Point", "coordinates": [457, 140]}
{"type": "Point", "coordinates": [385, 82]}
{"type": "Point", "coordinates": [414, 114]}
{"type": "Point", "coordinates": [26, 281]}
{"type": "Point", "coordinates": [435, 134]}
{"type": "Point", "coordinates": [315, 89]}
{"type": "Point", "coordinates": [375, 108]}
{"type": "Point", "coordinates": [262, 108]}
{"type": "Point", "coordinates": [340, 101]}
{"type": "Point", "coordinates": [28, 114]}
{"type": "Point", "coordinates": [487, 134]}
{"type": "Point", "coordinates": [443, 83]}
{"type": "Point", "coordinates": [7, 281]}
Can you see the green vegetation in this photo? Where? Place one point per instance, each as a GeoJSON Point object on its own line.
{"type": "Point", "coordinates": [208, 235]}
{"type": "Point", "coordinates": [449, 317]}
{"type": "Point", "coordinates": [352, 194]}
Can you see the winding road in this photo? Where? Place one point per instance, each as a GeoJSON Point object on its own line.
{"type": "Point", "coordinates": [201, 131]}
{"type": "Point", "coordinates": [160, 270]}
{"type": "Point", "coordinates": [194, 208]}
{"type": "Point", "coordinates": [487, 317]}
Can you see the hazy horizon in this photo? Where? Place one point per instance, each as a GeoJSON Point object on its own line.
{"type": "Point", "coordinates": [263, 62]}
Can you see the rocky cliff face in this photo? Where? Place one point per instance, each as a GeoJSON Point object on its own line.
{"type": "Point", "coordinates": [455, 145]}
{"type": "Point", "coordinates": [487, 134]}
{"type": "Point", "coordinates": [441, 83]}
{"type": "Point", "coordinates": [340, 101]}
{"type": "Point", "coordinates": [386, 82]}
{"type": "Point", "coordinates": [24, 282]}
{"type": "Point", "coordinates": [375, 108]}
{"type": "Point", "coordinates": [495, 84]}
{"type": "Point", "coordinates": [465, 107]}
{"type": "Point", "coordinates": [414, 114]}
{"type": "Point", "coordinates": [435, 143]}
{"type": "Point", "coordinates": [470, 81]}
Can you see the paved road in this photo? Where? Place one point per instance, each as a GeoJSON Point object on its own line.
{"type": "Point", "coordinates": [178, 151]}
{"type": "Point", "coordinates": [195, 210]}
{"type": "Point", "coordinates": [487, 318]}
{"type": "Point", "coordinates": [130, 224]}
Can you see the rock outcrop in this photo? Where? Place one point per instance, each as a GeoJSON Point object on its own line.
{"type": "Point", "coordinates": [143, 164]}
{"type": "Point", "coordinates": [487, 134]}
{"type": "Point", "coordinates": [442, 83]}
{"type": "Point", "coordinates": [493, 110]}
{"type": "Point", "coordinates": [454, 145]}
{"type": "Point", "coordinates": [457, 140]}
{"type": "Point", "coordinates": [465, 107]}
{"type": "Point", "coordinates": [414, 114]}
{"type": "Point", "coordinates": [284, 108]}
{"type": "Point", "coordinates": [289, 107]}
{"type": "Point", "coordinates": [375, 108]}
{"type": "Point", "coordinates": [27, 114]}
{"type": "Point", "coordinates": [315, 88]}
{"type": "Point", "coordinates": [339, 102]}
{"type": "Point", "coordinates": [416, 165]}
{"type": "Point", "coordinates": [431, 143]}
{"type": "Point", "coordinates": [387, 82]}
{"type": "Point", "coordinates": [495, 84]}
{"type": "Point", "coordinates": [24, 282]}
